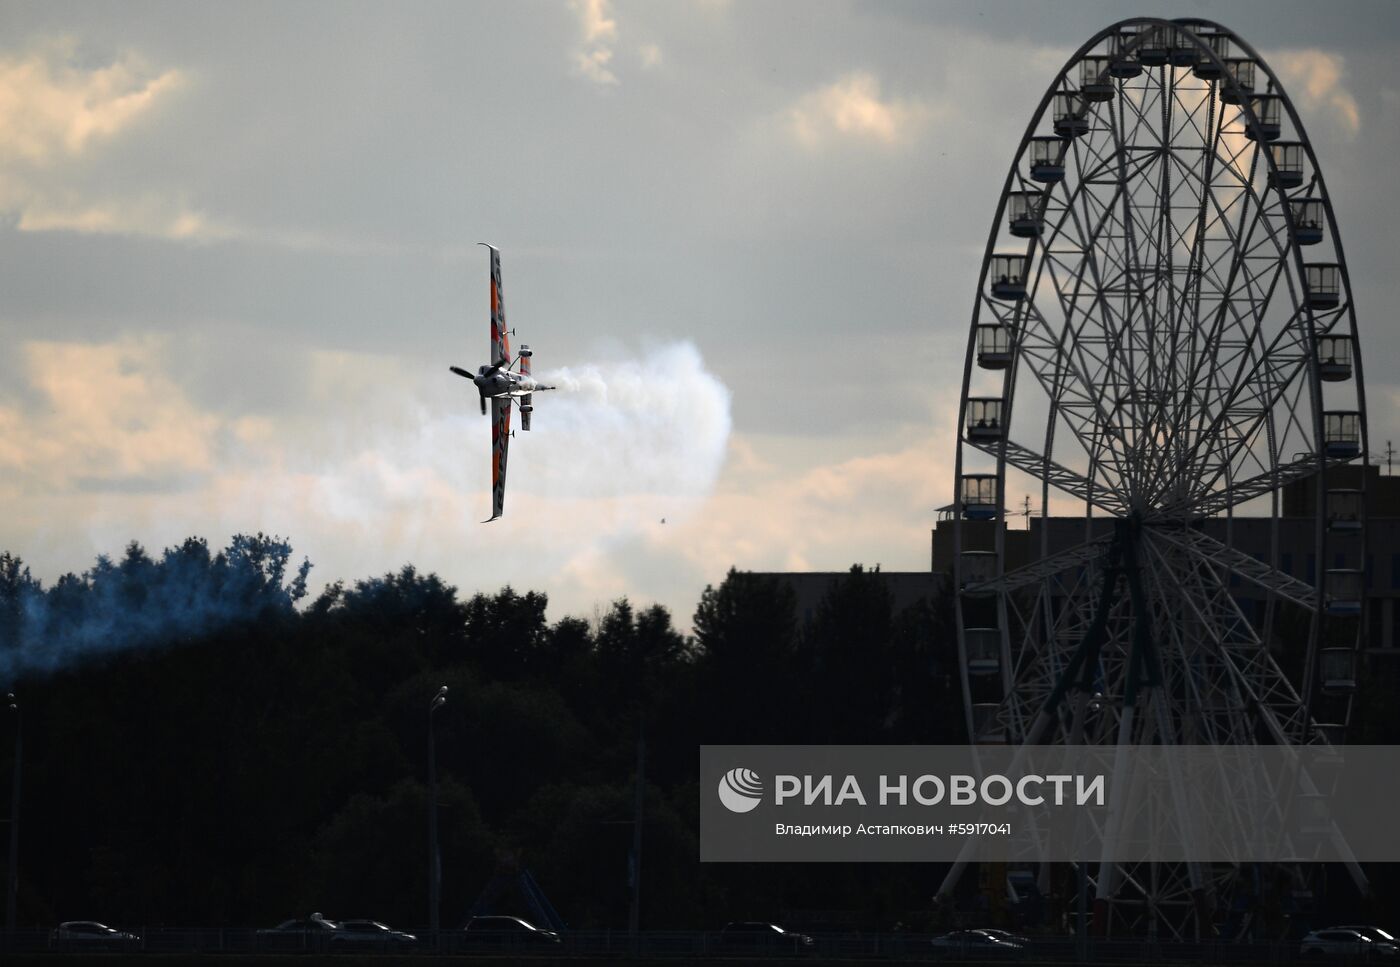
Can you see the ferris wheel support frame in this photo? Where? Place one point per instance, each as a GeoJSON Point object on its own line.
{"type": "Point", "coordinates": [1126, 553]}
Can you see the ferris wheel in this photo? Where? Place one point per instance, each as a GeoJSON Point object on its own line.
{"type": "Point", "coordinates": [1164, 343]}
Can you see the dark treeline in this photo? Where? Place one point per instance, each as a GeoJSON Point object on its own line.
{"type": "Point", "coordinates": [202, 746]}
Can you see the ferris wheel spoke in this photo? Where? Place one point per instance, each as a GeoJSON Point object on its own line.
{"type": "Point", "coordinates": [1093, 343]}
{"type": "Point", "coordinates": [1243, 418]}
{"type": "Point", "coordinates": [1225, 390]}
{"type": "Point", "coordinates": [1071, 392]}
{"type": "Point", "coordinates": [1208, 363]}
{"type": "Point", "coordinates": [1207, 549]}
{"type": "Point", "coordinates": [1257, 387]}
{"type": "Point", "coordinates": [1136, 212]}
{"type": "Point", "coordinates": [1202, 589]}
{"type": "Point", "coordinates": [1042, 468]}
{"type": "Point", "coordinates": [1045, 568]}
{"type": "Point", "coordinates": [1102, 339]}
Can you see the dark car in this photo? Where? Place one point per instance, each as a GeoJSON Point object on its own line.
{"type": "Point", "coordinates": [499, 931]}
{"type": "Point", "coordinates": [91, 935]}
{"type": "Point", "coordinates": [313, 933]}
{"type": "Point", "coordinates": [976, 945]}
{"type": "Point", "coordinates": [369, 934]}
{"type": "Point", "coordinates": [763, 936]}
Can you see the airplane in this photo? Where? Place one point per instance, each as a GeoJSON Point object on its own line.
{"type": "Point", "coordinates": [504, 386]}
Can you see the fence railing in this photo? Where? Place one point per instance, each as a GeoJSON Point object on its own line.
{"type": "Point", "coordinates": [660, 944]}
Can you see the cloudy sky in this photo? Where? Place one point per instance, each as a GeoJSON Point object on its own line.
{"type": "Point", "coordinates": [237, 256]}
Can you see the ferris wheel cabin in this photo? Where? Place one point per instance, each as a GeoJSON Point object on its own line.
{"type": "Point", "coordinates": [1096, 78]}
{"type": "Point", "coordinates": [1238, 83]}
{"type": "Point", "coordinates": [983, 651]}
{"type": "Point", "coordinates": [1124, 64]}
{"type": "Point", "coordinates": [1338, 667]}
{"type": "Point", "coordinates": [1334, 358]}
{"type": "Point", "coordinates": [1308, 220]}
{"type": "Point", "coordinates": [1023, 213]}
{"type": "Point", "coordinates": [1181, 52]}
{"type": "Point", "coordinates": [993, 346]}
{"type": "Point", "coordinates": [1206, 69]}
{"type": "Point", "coordinates": [979, 496]}
{"type": "Point", "coordinates": [1008, 277]}
{"type": "Point", "coordinates": [1323, 283]}
{"type": "Point", "coordinates": [1047, 159]}
{"type": "Point", "coordinates": [1266, 124]}
{"type": "Point", "coordinates": [1341, 434]}
{"type": "Point", "coordinates": [1152, 47]}
{"type": "Point", "coordinates": [984, 418]}
{"type": "Point", "coordinates": [979, 568]}
{"type": "Point", "coordinates": [1068, 115]}
{"type": "Point", "coordinates": [1343, 510]}
{"type": "Point", "coordinates": [1343, 591]}
{"type": "Point", "coordinates": [1288, 164]}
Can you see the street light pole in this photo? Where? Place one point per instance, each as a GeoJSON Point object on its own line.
{"type": "Point", "coordinates": [434, 857]}
{"type": "Point", "coordinates": [13, 878]}
{"type": "Point", "coordinates": [634, 913]}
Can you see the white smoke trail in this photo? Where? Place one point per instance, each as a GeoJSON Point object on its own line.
{"type": "Point", "coordinates": [382, 462]}
{"type": "Point", "coordinates": [657, 425]}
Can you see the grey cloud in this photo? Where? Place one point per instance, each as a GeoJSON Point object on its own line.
{"type": "Point", "coordinates": [352, 153]}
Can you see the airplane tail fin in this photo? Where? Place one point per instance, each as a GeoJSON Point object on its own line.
{"type": "Point", "coordinates": [527, 407]}
{"type": "Point", "coordinates": [524, 358]}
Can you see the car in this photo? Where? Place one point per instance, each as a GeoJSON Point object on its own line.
{"type": "Point", "coordinates": [313, 933]}
{"type": "Point", "coordinates": [507, 932]}
{"type": "Point", "coordinates": [369, 933]}
{"type": "Point", "coordinates": [979, 944]}
{"type": "Point", "coordinates": [1376, 934]}
{"type": "Point", "coordinates": [1005, 936]}
{"type": "Point", "coordinates": [1348, 942]}
{"type": "Point", "coordinates": [91, 935]}
{"type": "Point", "coordinates": [764, 935]}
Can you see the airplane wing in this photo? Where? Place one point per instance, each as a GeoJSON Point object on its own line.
{"type": "Point", "coordinates": [500, 341]}
{"type": "Point", "coordinates": [500, 449]}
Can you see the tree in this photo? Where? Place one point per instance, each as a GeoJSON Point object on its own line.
{"type": "Point", "coordinates": [747, 660]}
{"type": "Point", "coordinates": [847, 651]}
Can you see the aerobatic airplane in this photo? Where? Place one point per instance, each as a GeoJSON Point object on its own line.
{"type": "Point", "coordinates": [504, 386]}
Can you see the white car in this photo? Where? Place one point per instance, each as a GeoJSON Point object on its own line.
{"type": "Point", "coordinates": [1005, 936]}
{"type": "Point", "coordinates": [369, 932]}
{"type": "Point", "coordinates": [1376, 934]}
{"type": "Point", "coordinates": [1348, 942]}
{"type": "Point", "coordinates": [507, 931]}
{"type": "Point", "coordinates": [976, 945]}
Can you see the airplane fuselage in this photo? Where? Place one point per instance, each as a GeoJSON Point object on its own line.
{"type": "Point", "coordinates": [503, 383]}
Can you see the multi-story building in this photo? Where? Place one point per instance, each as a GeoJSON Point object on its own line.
{"type": "Point", "coordinates": [1297, 544]}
